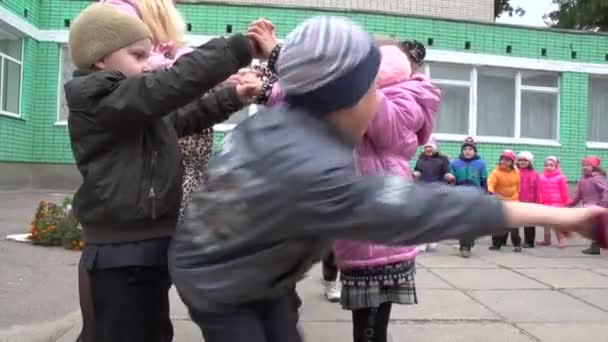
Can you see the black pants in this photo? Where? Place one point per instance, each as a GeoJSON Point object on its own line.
{"type": "Point", "coordinates": [87, 334]}
{"type": "Point", "coordinates": [501, 240]}
{"type": "Point", "coordinates": [330, 270]}
{"type": "Point", "coordinates": [371, 325]}
{"type": "Point", "coordinates": [261, 321]}
{"type": "Point", "coordinates": [530, 236]}
{"type": "Point", "coordinates": [467, 244]}
{"type": "Point", "coordinates": [131, 304]}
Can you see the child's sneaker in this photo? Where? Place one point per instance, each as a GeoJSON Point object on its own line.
{"type": "Point", "coordinates": [332, 290]}
{"type": "Point", "coordinates": [494, 248]}
{"type": "Point", "coordinates": [517, 249]}
{"type": "Point", "coordinates": [543, 243]}
{"type": "Point", "coordinates": [594, 249]}
{"type": "Point", "coordinates": [433, 247]}
{"type": "Point", "coordinates": [465, 253]}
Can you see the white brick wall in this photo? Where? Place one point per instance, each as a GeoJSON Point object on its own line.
{"type": "Point", "coordinates": [480, 10]}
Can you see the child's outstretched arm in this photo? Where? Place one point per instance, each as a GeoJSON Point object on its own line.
{"type": "Point", "coordinates": [133, 101]}
{"type": "Point", "coordinates": [577, 196]}
{"type": "Point", "coordinates": [408, 107]}
{"type": "Point", "coordinates": [393, 210]}
{"type": "Point", "coordinates": [203, 113]}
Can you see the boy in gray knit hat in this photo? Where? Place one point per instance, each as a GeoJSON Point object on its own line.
{"type": "Point", "coordinates": [284, 187]}
{"type": "Point", "coordinates": [124, 123]}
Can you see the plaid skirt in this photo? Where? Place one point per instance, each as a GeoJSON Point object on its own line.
{"type": "Point", "coordinates": [370, 287]}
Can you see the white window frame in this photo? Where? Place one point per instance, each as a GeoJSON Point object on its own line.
{"type": "Point", "coordinates": [59, 122]}
{"type": "Point", "coordinates": [600, 145]}
{"type": "Point", "coordinates": [519, 87]}
{"type": "Point", "coordinates": [2, 72]}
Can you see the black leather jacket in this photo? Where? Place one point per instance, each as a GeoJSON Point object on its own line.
{"type": "Point", "coordinates": [124, 134]}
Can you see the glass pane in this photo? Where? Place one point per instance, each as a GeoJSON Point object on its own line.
{"type": "Point", "coordinates": [446, 71]}
{"type": "Point", "coordinates": [598, 109]}
{"type": "Point", "coordinates": [238, 116]}
{"type": "Point", "coordinates": [495, 102]}
{"type": "Point", "coordinates": [539, 79]}
{"type": "Point", "coordinates": [11, 86]}
{"type": "Point", "coordinates": [538, 115]}
{"type": "Point", "coordinates": [67, 70]}
{"type": "Point", "coordinates": [453, 116]}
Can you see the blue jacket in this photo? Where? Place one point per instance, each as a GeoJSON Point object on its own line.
{"type": "Point", "coordinates": [470, 171]}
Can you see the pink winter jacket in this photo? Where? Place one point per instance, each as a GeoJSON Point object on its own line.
{"type": "Point", "coordinates": [528, 188]}
{"type": "Point", "coordinates": [404, 121]}
{"type": "Point", "coordinates": [553, 189]}
{"type": "Point", "coordinates": [160, 57]}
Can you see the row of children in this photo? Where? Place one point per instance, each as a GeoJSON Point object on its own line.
{"type": "Point", "coordinates": [515, 179]}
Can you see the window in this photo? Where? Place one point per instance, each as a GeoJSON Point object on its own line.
{"type": "Point", "coordinates": [496, 103]}
{"type": "Point", "coordinates": [455, 84]}
{"type": "Point", "coordinates": [66, 70]}
{"type": "Point", "coordinates": [11, 68]}
{"type": "Point", "coordinates": [598, 109]}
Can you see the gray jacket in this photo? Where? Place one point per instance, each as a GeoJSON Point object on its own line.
{"type": "Point", "coordinates": [281, 190]}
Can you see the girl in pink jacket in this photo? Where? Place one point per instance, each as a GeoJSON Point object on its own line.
{"type": "Point", "coordinates": [528, 190]}
{"type": "Point", "coordinates": [374, 275]}
{"type": "Point", "coordinates": [553, 191]}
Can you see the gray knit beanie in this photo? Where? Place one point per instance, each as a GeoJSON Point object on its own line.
{"type": "Point", "coordinates": [327, 64]}
{"type": "Point", "coordinates": [100, 30]}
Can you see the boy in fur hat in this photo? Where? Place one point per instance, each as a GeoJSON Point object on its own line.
{"type": "Point", "coordinates": [124, 123]}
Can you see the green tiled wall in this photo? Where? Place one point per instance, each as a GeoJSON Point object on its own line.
{"type": "Point", "coordinates": [26, 9]}
{"type": "Point", "coordinates": [35, 138]}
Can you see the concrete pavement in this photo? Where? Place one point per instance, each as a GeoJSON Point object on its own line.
{"type": "Point", "coordinates": [543, 294]}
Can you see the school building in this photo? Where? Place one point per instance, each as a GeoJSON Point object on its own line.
{"type": "Point", "coordinates": [511, 87]}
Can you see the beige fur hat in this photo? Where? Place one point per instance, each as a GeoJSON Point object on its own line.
{"type": "Point", "coordinates": [100, 30]}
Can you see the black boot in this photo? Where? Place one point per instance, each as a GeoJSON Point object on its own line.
{"type": "Point", "coordinates": [594, 249]}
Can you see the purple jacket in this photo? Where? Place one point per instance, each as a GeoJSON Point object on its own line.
{"type": "Point", "coordinates": [592, 190]}
{"type": "Point", "coordinates": [404, 121]}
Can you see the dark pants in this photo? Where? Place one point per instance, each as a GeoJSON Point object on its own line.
{"type": "Point", "coordinates": [467, 244]}
{"type": "Point", "coordinates": [87, 333]}
{"type": "Point", "coordinates": [530, 236]}
{"type": "Point", "coordinates": [131, 304]}
{"type": "Point", "coordinates": [501, 240]}
{"type": "Point", "coordinates": [371, 324]}
{"type": "Point", "coordinates": [261, 321]}
{"type": "Point", "coordinates": [330, 270]}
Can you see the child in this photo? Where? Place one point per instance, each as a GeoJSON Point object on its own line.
{"type": "Point", "coordinates": [592, 190]}
{"type": "Point", "coordinates": [469, 170]}
{"type": "Point", "coordinates": [528, 190]}
{"type": "Point", "coordinates": [123, 124]}
{"type": "Point", "coordinates": [167, 28]}
{"type": "Point", "coordinates": [553, 191]}
{"type": "Point", "coordinates": [374, 276]}
{"type": "Point", "coordinates": [284, 187]}
{"type": "Point", "coordinates": [504, 181]}
{"type": "Point", "coordinates": [432, 166]}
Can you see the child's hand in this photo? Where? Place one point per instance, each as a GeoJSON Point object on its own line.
{"type": "Point", "coordinates": [236, 78]}
{"type": "Point", "coordinates": [449, 177]}
{"type": "Point", "coordinates": [249, 87]}
{"type": "Point", "coordinates": [417, 175]}
{"type": "Point", "coordinates": [263, 36]}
